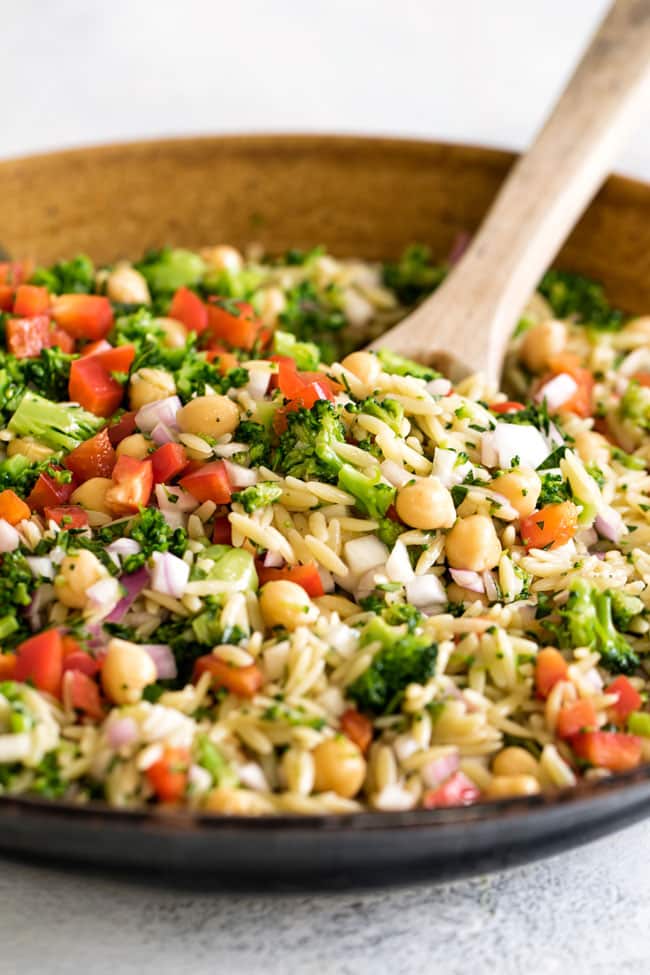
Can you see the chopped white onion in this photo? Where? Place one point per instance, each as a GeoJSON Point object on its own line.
{"type": "Point", "coordinates": [240, 477]}
{"type": "Point", "coordinates": [439, 387]}
{"type": "Point", "coordinates": [103, 596]}
{"type": "Point", "coordinates": [40, 567]}
{"type": "Point", "coordinates": [161, 411]}
{"type": "Point", "coordinates": [275, 660]}
{"type": "Point", "coordinates": [609, 524]}
{"type": "Point", "coordinates": [365, 553]}
{"type": "Point", "coordinates": [169, 574]}
{"type": "Point", "coordinates": [258, 384]}
{"type": "Point", "coordinates": [425, 591]}
{"type": "Point", "coordinates": [9, 537]}
{"type": "Point", "coordinates": [467, 579]}
{"type": "Point", "coordinates": [121, 548]}
{"type": "Point", "coordinates": [439, 769]}
{"type": "Point", "coordinates": [327, 579]}
{"type": "Point", "coordinates": [398, 566]}
{"type": "Point", "coordinates": [447, 469]}
{"type": "Point", "coordinates": [174, 519]}
{"type": "Point", "coordinates": [253, 777]}
{"type": "Point", "coordinates": [637, 361]}
{"type": "Point", "coordinates": [395, 473]}
{"type": "Point", "coordinates": [508, 441]}
{"type": "Point", "coordinates": [121, 732]}
{"type": "Point", "coordinates": [171, 498]}
{"type": "Point", "coordinates": [229, 449]}
{"type": "Point", "coordinates": [199, 779]}
{"type": "Point", "coordinates": [162, 656]}
{"type": "Point", "coordinates": [557, 391]}
{"type": "Point", "coordinates": [365, 584]}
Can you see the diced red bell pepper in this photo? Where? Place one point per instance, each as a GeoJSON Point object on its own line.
{"type": "Point", "coordinates": [14, 272]}
{"type": "Point", "coordinates": [168, 777]}
{"type": "Point", "coordinates": [81, 661]}
{"type": "Point", "coordinates": [122, 428]}
{"type": "Point", "coordinates": [49, 493]}
{"type": "Point", "coordinates": [70, 645]}
{"type": "Point", "coordinates": [83, 316]}
{"type": "Point", "coordinates": [168, 462]}
{"type": "Point", "coordinates": [92, 458]}
{"type": "Point", "coordinates": [116, 359]}
{"type": "Point", "coordinates": [303, 575]}
{"type": "Point", "coordinates": [550, 667]}
{"type": "Point", "coordinates": [31, 300]}
{"type": "Point", "coordinates": [233, 322]}
{"type": "Point", "coordinates": [132, 486]}
{"type": "Point", "coordinates": [629, 699]}
{"type": "Point", "coordinates": [357, 727]}
{"type": "Point", "coordinates": [576, 717]}
{"type": "Point", "coordinates": [40, 660]}
{"type": "Point", "coordinates": [458, 790]}
{"type": "Point", "coordinates": [82, 693]}
{"type": "Point", "coordinates": [209, 483]}
{"type": "Point", "coordinates": [7, 666]}
{"type": "Point", "coordinates": [27, 337]}
{"type": "Point", "coordinates": [288, 381]}
{"type": "Point", "coordinates": [6, 297]}
{"type": "Point", "coordinates": [187, 307]}
{"type": "Point", "coordinates": [242, 681]}
{"type": "Point", "coordinates": [93, 387]}
{"type": "Point", "coordinates": [222, 531]}
{"type": "Point", "coordinates": [92, 348]}
{"type": "Point", "coordinates": [12, 508]}
{"type": "Point", "coordinates": [67, 516]}
{"type": "Point", "coordinates": [509, 406]}
{"type": "Point", "coordinates": [612, 750]}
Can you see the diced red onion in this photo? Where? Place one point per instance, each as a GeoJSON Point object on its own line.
{"type": "Point", "coordinates": [122, 547]}
{"type": "Point", "coordinates": [258, 383]}
{"type": "Point", "coordinates": [439, 387]}
{"type": "Point", "coordinates": [587, 536]}
{"type": "Point", "coordinates": [162, 656]}
{"type": "Point", "coordinates": [467, 579]}
{"type": "Point", "coordinates": [134, 584]}
{"type": "Point", "coordinates": [104, 595]}
{"type": "Point", "coordinates": [173, 519]}
{"type": "Point", "coordinates": [395, 473]}
{"type": "Point", "coordinates": [273, 560]}
{"type": "Point", "coordinates": [557, 391]}
{"type": "Point", "coordinates": [40, 566]}
{"type": "Point", "coordinates": [398, 565]}
{"type": "Point", "coordinates": [490, 585]}
{"type": "Point", "coordinates": [509, 440]}
{"type": "Point", "coordinates": [240, 477]}
{"type": "Point", "coordinates": [439, 769]}
{"type": "Point", "coordinates": [121, 732]}
{"type": "Point", "coordinates": [43, 596]}
{"type": "Point", "coordinates": [161, 411]}
{"type": "Point", "coordinates": [162, 434]}
{"type": "Point", "coordinates": [637, 361]}
{"type": "Point", "coordinates": [609, 524]}
{"type": "Point", "coordinates": [175, 499]}
{"type": "Point", "coordinates": [425, 591]}
{"type": "Point", "coordinates": [9, 537]}
{"type": "Point", "coordinates": [169, 574]}
{"type": "Point", "coordinates": [252, 775]}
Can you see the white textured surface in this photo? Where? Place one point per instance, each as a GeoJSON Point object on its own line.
{"type": "Point", "coordinates": [78, 71]}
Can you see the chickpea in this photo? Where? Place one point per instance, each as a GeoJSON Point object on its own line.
{"type": "Point", "coordinates": [149, 385]}
{"type": "Point", "coordinates": [211, 416]}
{"type": "Point", "coordinates": [592, 447]}
{"type": "Point", "coordinates": [286, 604]}
{"type": "Point", "coordinates": [28, 447]}
{"type": "Point", "coordinates": [521, 487]}
{"type": "Point", "coordinates": [426, 504]}
{"type": "Point", "coordinates": [541, 343]}
{"type": "Point", "coordinates": [339, 766]}
{"type": "Point", "coordinates": [126, 671]}
{"type": "Point", "coordinates": [134, 446]}
{"type": "Point", "coordinates": [473, 544]}
{"type": "Point", "coordinates": [92, 494]}
{"type": "Point", "coordinates": [510, 786]}
{"type": "Point", "coordinates": [458, 594]}
{"type": "Point", "coordinates": [175, 332]}
{"type": "Point", "coordinates": [272, 304]}
{"type": "Point", "coordinates": [514, 761]}
{"type": "Point", "coordinates": [364, 365]}
{"type": "Point", "coordinates": [77, 573]}
{"type": "Point", "coordinates": [237, 802]}
{"type": "Point", "coordinates": [126, 284]}
{"type": "Point", "coordinates": [223, 258]}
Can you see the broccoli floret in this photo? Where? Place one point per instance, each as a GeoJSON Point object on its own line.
{"type": "Point", "coordinates": [211, 759]}
{"type": "Point", "coordinates": [572, 294]}
{"type": "Point", "coordinates": [630, 461]}
{"type": "Point", "coordinates": [534, 415]}
{"type": "Point", "coordinates": [397, 365]}
{"type": "Point", "coordinates": [554, 490]}
{"type": "Point", "coordinates": [258, 496]}
{"type": "Point", "coordinates": [398, 613]}
{"type": "Point", "coordinates": [587, 622]}
{"type": "Point", "coordinates": [259, 440]}
{"type": "Point", "coordinates": [17, 585]}
{"type": "Point", "coordinates": [624, 608]}
{"type": "Point", "coordinates": [305, 354]}
{"type": "Point", "coordinates": [67, 277]}
{"type": "Point", "coordinates": [635, 405]}
{"type": "Point", "coordinates": [57, 426]}
{"type": "Point", "coordinates": [171, 268]}
{"type": "Point", "coordinates": [389, 410]}
{"type": "Point", "coordinates": [49, 373]}
{"type": "Point", "coordinates": [403, 660]}
{"type": "Point", "coordinates": [306, 448]}
{"type": "Point", "coordinates": [240, 285]}
{"type": "Point", "coordinates": [196, 373]}
{"type": "Point", "coordinates": [389, 531]}
{"type": "Point", "coordinates": [18, 474]}
{"type": "Point", "coordinates": [371, 494]}
{"type": "Point", "coordinates": [150, 530]}
{"type": "Point", "coordinates": [413, 276]}
{"type": "Point", "coordinates": [311, 316]}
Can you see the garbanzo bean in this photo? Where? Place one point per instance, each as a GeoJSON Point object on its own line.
{"type": "Point", "coordinates": [92, 494]}
{"type": "Point", "coordinates": [271, 304]}
{"type": "Point", "coordinates": [541, 343]}
{"type": "Point", "coordinates": [28, 447]}
{"type": "Point", "coordinates": [514, 761]}
{"type": "Point", "coordinates": [426, 504]}
{"type": "Point", "coordinates": [134, 446]}
{"type": "Point", "coordinates": [473, 544]}
{"type": "Point", "coordinates": [77, 573]}
{"type": "Point", "coordinates": [223, 257]}
{"type": "Point", "coordinates": [592, 447]}
{"type": "Point", "coordinates": [364, 365]}
{"type": "Point", "coordinates": [285, 603]}
{"type": "Point", "coordinates": [521, 487]}
{"type": "Point", "coordinates": [126, 671]}
{"type": "Point", "coordinates": [126, 284]}
{"type": "Point", "coordinates": [150, 385]}
{"type": "Point", "coordinates": [175, 332]}
{"type": "Point", "coordinates": [339, 766]}
{"type": "Point", "coordinates": [211, 416]}
{"type": "Point", "coordinates": [237, 802]}
{"type": "Point", "coordinates": [510, 786]}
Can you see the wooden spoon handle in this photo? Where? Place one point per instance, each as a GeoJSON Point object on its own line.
{"type": "Point", "coordinates": [471, 316]}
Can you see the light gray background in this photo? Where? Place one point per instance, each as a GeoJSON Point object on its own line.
{"type": "Point", "coordinates": [77, 71]}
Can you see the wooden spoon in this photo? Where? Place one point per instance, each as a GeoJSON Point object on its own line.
{"type": "Point", "coordinates": [464, 327]}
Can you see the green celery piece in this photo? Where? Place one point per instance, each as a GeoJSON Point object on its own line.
{"type": "Point", "coordinates": [174, 269]}
{"type": "Point", "coordinates": [8, 625]}
{"type": "Point", "coordinates": [305, 354]}
{"type": "Point", "coordinates": [211, 759]}
{"type": "Point", "coordinates": [232, 565]}
{"type": "Point", "coordinates": [638, 723]}
{"type": "Point", "coordinates": [61, 427]}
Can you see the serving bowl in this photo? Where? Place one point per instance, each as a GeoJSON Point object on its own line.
{"type": "Point", "coordinates": [365, 197]}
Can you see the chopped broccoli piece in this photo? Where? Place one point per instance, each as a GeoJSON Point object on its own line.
{"type": "Point", "coordinates": [397, 365]}
{"type": "Point", "coordinates": [624, 608]}
{"type": "Point", "coordinates": [587, 622]}
{"type": "Point", "coordinates": [638, 723]}
{"type": "Point", "coordinates": [628, 460]}
{"type": "Point", "coordinates": [258, 496]}
{"type": "Point", "coordinates": [150, 530]}
{"type": "Point", "coordinates": [258, 438]}
{"type": "Point", "coordinates": [635, 405]}
{"type": "Point", "coordinates": [57, 426]}
{"type": "Point", "coordinates": [413, 276]}
{"type": "Point", "coordinates": [389, 531]}
{"type": "Point", "coordinates": [398, 613]}
{"type": "Point", "coordinates": [554, 490]}
{"type": "Point", "coordinates": [306, 354]}
{"type": "Point", "coordinates": [171, 268]}
{"type": "Point", "coordinates": [49, 373]}
{"type": "Point", "coordinates": [306, 448]}
{"type": "Point", "coordinates": [19, 474]}
{"type": "Point", "coordinates": [574, 295]}
{"type": "Point", "coordinates": [371, 494]}
{"type": "Point", "coordinates": [240, 285]}
{"type": "Point", "coordinates": [17, 585]}
{"type": "Point", "coordinates": [234, 566]}
{"type": "Point", "coordinates": [534, 415]}
{"type": "Point", "coordinates": [211, 759]}
{"type": "Point", "coordinates": [67, 277]}
{"type": "Point", "coordinates": [295, 257]}
{"type": "Point", "coordinates": [388, 410]}
{"type": "Point", "coordinates": [311, 316]}
{"type": "Point", "coordinates": [402, 660]}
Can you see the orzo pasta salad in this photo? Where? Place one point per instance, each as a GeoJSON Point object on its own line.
{"type": "Point", "coordinates": [247, 568]}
